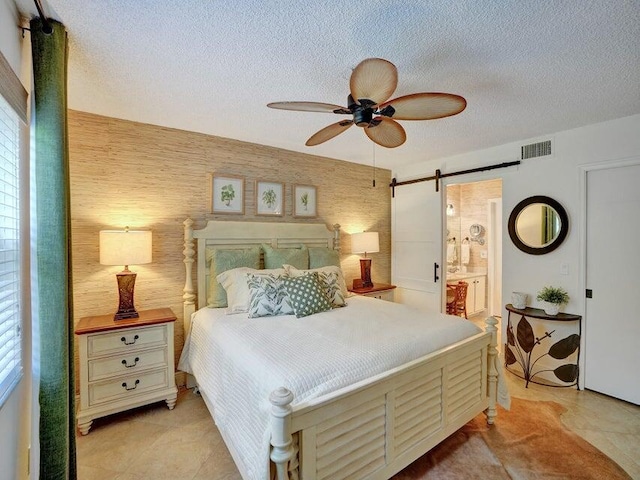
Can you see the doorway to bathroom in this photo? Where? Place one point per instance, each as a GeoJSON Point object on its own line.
{"type": "Point", "coordinates": [474, 244]}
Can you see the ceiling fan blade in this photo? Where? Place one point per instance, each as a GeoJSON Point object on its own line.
{"type": "Point", "coordinates": [387, 133]}
{"type": "Point", "coordinates": [308, 107]}
{"type": "Point", "coordinates": [425, 106]}
{"type": "Point", "coordinates": [327, 133]}
{"type": "Point", "coordinates": [374, 79]}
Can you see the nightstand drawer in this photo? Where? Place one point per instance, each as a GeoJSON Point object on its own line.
{"type": "Point", "coordinates": [127, 363]}
{"type": "Point", "coordinates": [127, 386]}
{"type": "Point", "coordinates": [381, 291]}
{"type": "Point", "coordinates": [387, 295]}
{"type": "Point", "coordinates": [126, 340]}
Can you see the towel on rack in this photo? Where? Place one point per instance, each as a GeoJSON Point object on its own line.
{"type": "Point", "coordinates": [451, 253]}
{"type": "Point", "coordinates": [464, 253]}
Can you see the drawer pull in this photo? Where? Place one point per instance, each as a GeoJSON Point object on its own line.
{"type": "Point", "coordinates": [124, 385]}
{"type": "Point", "coordinates": [124, 340]}
{"type": "Point", "coordinates": [135, 362]}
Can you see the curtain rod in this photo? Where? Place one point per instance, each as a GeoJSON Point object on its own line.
{"type": "Point", "coordinates": [440, 175]}
{"type": "Point", "coordinates": [46, 25]}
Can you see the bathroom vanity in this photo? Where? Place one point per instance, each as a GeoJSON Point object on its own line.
{"type": "Point", "coordinates": [476, 292]}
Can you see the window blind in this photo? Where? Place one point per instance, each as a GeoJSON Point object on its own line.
{"type": "Point", "coordinates": [10, 312]}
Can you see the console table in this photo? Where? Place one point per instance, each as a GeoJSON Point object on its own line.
{"type": "Point", "coordinates": [533, 350]}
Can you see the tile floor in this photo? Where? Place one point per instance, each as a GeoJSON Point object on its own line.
{"type": "Point", "coordinates": [155, 443]}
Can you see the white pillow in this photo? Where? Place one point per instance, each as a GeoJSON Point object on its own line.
{"type": "Point", "coordinates": [330, 277]}
{"type": "Point", "coordinates": [234, 282]}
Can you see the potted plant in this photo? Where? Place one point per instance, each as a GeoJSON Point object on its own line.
{"type": "Point", "coordinates": [553, 297]}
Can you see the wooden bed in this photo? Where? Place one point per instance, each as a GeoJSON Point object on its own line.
{"type": "Point", "coordinates": [376, 427]}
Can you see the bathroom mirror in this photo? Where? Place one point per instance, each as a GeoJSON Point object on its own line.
{"type": "Point", "coordinates": [538, 225]}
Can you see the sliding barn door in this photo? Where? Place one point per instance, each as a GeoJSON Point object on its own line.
{"type": "Point", "coordinates": [417, 245]}
{"type": "Point", "coordinates": [612, 316]}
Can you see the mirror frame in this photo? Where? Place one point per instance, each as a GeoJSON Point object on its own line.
{"type": "Point", "coordinates": [564, 225]}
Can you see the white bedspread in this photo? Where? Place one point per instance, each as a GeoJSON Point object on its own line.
{"type": "Point", "coordinates": [239, 361]}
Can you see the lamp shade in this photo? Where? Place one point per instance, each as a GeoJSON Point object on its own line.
{"type": "Point", "coordinates": [365, 242]}
{"type": "Point", "coordinates": [125, 247]}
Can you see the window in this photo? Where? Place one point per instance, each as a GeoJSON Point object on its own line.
{"type": "Point", "coordinates": [10, 255]}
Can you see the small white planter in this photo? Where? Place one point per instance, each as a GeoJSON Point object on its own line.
{"type": "Point", "coordinates": [551, 308]}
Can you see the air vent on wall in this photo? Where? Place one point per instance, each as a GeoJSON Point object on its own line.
{"type": "Point", "coordinates": [533, 150]}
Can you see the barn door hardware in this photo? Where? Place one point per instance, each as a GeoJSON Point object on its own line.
{"type": "Point", "coordinates": [438, 175]}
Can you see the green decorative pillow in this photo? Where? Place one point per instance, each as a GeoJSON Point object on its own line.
{"type": "Point", "coordinates": [277, 257]}
{"type": "Point", "coordinates": [331, 279]}
{"type": "Point", "coordinates": [267, 295]}
{"type": "Point", "coordinates": [306, 295]}
{"type": "Point", "coordinates": [223, 260]}
{"type": "Point", "coordinates": [322, 257]}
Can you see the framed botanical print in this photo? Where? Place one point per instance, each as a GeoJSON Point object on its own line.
{"type": "Point", "coordinates": [227, 194]}
{"type": "Point", "coordinates": [304, 201]}
{"type": "Point", "coordinates": [269, 198]}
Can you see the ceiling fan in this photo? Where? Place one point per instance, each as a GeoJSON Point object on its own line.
{"type": "Point", "coordinates": [372, 83]}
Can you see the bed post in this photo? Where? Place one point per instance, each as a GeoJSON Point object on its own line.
{"type": "Point", "coordinates": [336, 236]}
{"type": "Point", "coordinates": [492, 370]}
{"type": "Point", "coordinates": [189, 296]}
{"type": "Point", "coordinates": [282, 451]}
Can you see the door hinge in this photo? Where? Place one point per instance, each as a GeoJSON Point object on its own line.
{"type": "Point", "coordinates": [589, 293]}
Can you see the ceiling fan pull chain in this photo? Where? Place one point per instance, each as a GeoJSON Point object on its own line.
{"type": "Point", "coordinates": [374, 165]}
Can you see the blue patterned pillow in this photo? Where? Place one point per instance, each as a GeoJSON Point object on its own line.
{"type": "Point", "coordinates": [307, 295]}
{"type": "Point", "coordinates": [267, 295]}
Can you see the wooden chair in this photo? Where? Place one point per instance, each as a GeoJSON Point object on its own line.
{"type": "Point", "coordinates": [451, 299]}
{"type": "Point", "coordinates": [457, 303]}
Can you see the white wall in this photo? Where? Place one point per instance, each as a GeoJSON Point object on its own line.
{"type": "Point", "coordinates": [557, 177]}
{"type": "Point", "coordinates": [15, 414]}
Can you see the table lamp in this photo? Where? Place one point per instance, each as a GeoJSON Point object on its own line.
{"type": "Point", "coordinates": [365, 242]}
{"type": "Point", "coordinates": [125, 247]}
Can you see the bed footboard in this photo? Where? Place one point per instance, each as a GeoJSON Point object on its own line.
{"type": "Point", "coordinates": [282, 451]}
{"type": "Point", "coordinates": [379, 426]}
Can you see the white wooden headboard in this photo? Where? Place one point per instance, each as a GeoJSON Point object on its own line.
{"type": "Point", "coordinates": [229, 234]}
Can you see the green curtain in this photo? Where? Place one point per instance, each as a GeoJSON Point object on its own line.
{"type": "Point", "coordinates": [53, 254]}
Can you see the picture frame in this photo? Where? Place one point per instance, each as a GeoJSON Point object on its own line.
{"type": "Point", "coordinates": [269, 198]}
{"type": "Point", "coordinates": [227, 194]}
{"type": "Point", "coordinates": [304, 201]}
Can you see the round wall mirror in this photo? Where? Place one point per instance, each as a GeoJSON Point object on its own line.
{"type": "Point", "coordinates": [538, 225]}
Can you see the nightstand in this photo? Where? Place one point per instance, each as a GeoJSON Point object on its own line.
{"type": "Point", "coordinates": [382, 291]}
{"type": "Point", "coordinates": [125, 364]}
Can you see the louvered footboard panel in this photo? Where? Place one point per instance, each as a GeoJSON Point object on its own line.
{"type": "Point", "coordinates": [418, 411]}
{"type": "Point", "coordinates": [352, 444]}
{"type": "Point", "coordinates": [465, 384]}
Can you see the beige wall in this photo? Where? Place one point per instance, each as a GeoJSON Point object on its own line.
{"type": "Point", "coordinates": [149, 177]}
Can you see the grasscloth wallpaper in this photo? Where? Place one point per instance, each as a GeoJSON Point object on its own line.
{"type": "Point", "coordinates": [148, 177]}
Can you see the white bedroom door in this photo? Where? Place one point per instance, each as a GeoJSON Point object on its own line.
{"type": "Point", "coordinates": [417, 245]}
{"type": "Point", "coordinates": [612, 325]}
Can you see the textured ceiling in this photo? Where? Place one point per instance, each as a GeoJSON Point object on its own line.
{"type": "Point", "coordinates": [527, 68]}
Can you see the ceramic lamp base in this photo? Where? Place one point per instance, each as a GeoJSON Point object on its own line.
{"type": "Point", "coordinates": [126, 282]}
{"type": "Point", "coordinates": [365, 272]}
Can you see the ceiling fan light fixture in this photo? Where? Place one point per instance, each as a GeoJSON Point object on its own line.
{"type": "Point", "coordinates": [372, 82]}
